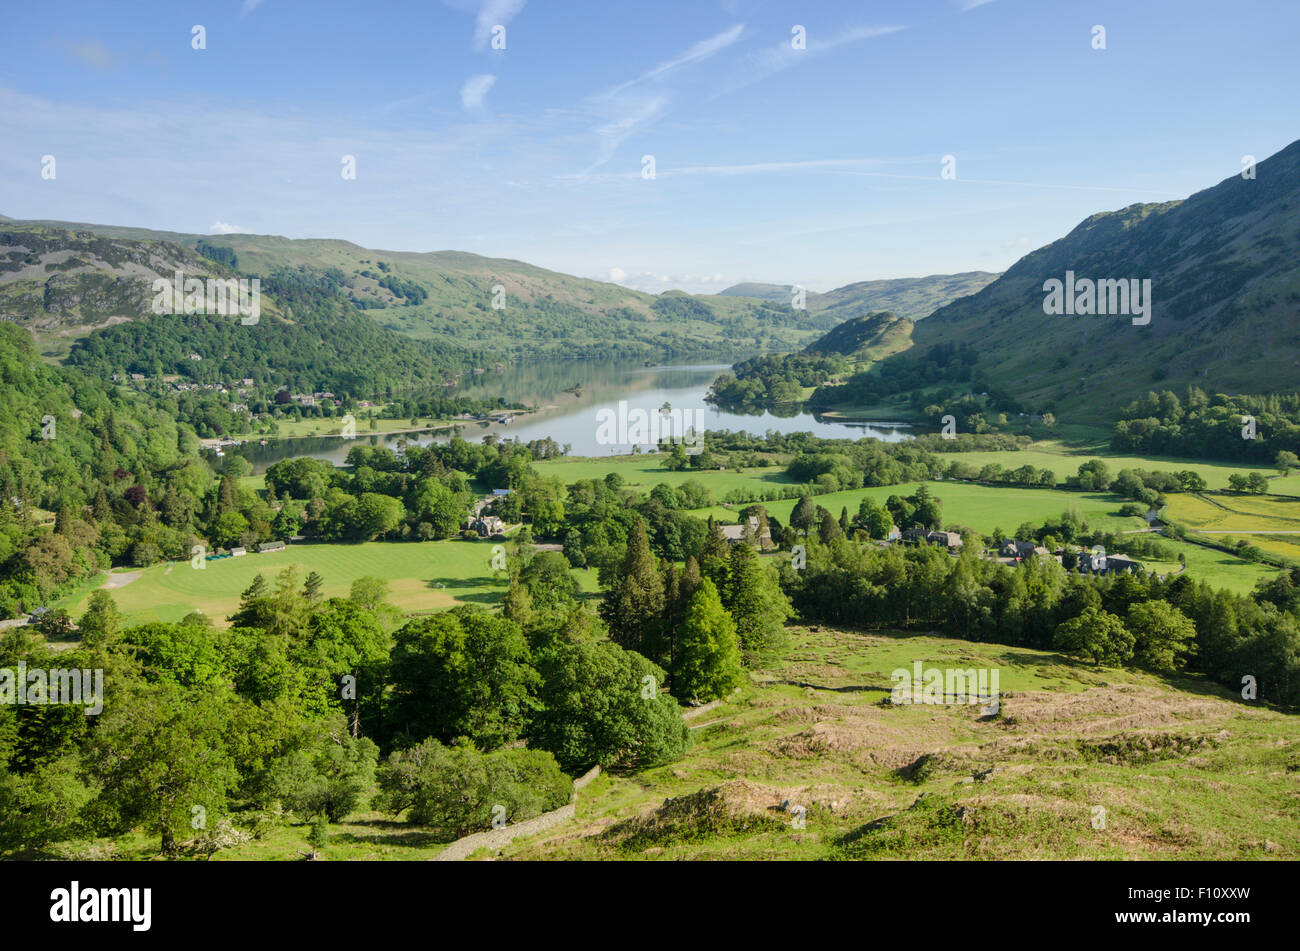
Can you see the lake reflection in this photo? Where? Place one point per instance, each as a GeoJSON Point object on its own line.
{"type": "Point", "coordinates": [571, 395]}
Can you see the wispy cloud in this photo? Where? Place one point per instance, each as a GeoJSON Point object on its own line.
{"type": "Point", "coordinates": [91, 52]}
{"type": "Point", "coordinates": [697, 53]}
{"type": "Point", "coordinates": [760, 64]}
{"type": "Point", "coordinates": [249, 6]}
{"type": "Point", "coordinates": [475, 90]}
{"type": "Point", "coordinates": [221, 227]}
{"type": "Point", "coordinates": [638, 102]}
{"type": "Point", "coordinates": [615, 133]}
{"type": "Point", "coordinates": [972, 4]}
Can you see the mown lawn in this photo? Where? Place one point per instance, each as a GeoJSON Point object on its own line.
{"type": "Point", "coordinates": [422, 576]}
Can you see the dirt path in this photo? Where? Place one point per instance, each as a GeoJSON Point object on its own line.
{"type": "Point", "coordinates": [119, 580]}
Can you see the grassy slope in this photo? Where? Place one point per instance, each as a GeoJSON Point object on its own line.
{"type": "Point", "coordinates": [914, 297]}
{"type": "Point", "coordinates": [811, 731]}
{"type": "Point", "coordinates": [1183, 770]}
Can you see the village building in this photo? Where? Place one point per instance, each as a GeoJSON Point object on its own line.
{"type": "Point", "coordinates": [486, 525]}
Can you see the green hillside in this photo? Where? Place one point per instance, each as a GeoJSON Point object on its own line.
{"type": "Point", "coordinates": [64, 280]}
{"type": "Point", "coordinates": [809, 761]}
{"type": "Point", "coordinates": [1224, 267]}
{"type": "Point", "coordinates": [867, 338]}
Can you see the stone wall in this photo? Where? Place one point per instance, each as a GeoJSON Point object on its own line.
{"type": "Point", "coordinates": [498, 838]}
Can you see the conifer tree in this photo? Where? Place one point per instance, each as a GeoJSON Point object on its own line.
{"type": "Point", "coordinates": [708, 662]}
{"type": "Point", "coordinates": [634, 605]}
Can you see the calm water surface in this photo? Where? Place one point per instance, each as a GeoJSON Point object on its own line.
{"type": "Point", "coordinates": [571, 395]}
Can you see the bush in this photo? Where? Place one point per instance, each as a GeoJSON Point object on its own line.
{"type": "Point", "coordinates": [457, 790]}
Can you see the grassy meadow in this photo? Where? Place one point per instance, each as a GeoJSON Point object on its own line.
{"type": "Point", "coordinates": [414, 572]}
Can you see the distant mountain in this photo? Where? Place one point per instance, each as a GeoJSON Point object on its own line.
{"type": "Point", "coordinates": [63, 279]}
{"type": "Point", "coordinates": [1224, 267]}
{"type": "Point", "coordinates": [761, 291]}
{"type": "Point", "coordinates": [914, 297]}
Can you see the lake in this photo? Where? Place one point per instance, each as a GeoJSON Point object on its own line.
{"type": "Point", "coordinates": [577, 403]}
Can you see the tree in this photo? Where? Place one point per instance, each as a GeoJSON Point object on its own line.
{"type": "Point", "coordinates": [375, 515]}
{"type": "Point", "coordinates": [602, 704]}
{"type": "Point", "coordinates": [1163, 636]}
{"type": "Point", "coordinates": [228, 528]}
{"type": "Point", "coordinates": [462, 673]}
{"type": "Point", "coordinates": [1286, 461]}
{"type": "Point", "coordinates": [101, 623]}
{"type": "Point", "coordinates": [319, 836]}
{"type": "Point", "coordinates": [311, 588]}
{"type": "Point", "coordinates": [43, 805]}
{"type": "Point", "coordinates": [457, 791]}
{"type": "Point", "coordinates": [873, 517]}
{"type": "Point", "coordinates": [828, 530]}
{"type": "Point", "coordinates": [677, 460]}
{"type": "Point", "coordinates": [330, 777]}
{"type": "Point", "coordinates": [708, 652]}
{"type": "Point", "coordinates": [633, 606]}
{"type": "Point", "coordinates": [804, 515]}
{"type": "Point", "coordinates": [159, 754]}
{"type": "Point", "coordinates": [1097, 636]}
{"type": "Point", "coordinates": [753, 595]}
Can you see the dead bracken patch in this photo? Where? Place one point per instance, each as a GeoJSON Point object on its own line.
{"type": "Point", "coordinates": [856, 745]}
{"type": "Point", "coordinates": [1105, 710]}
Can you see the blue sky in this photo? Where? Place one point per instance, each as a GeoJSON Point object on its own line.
{"type": "Point", "coordinates": [818, 166]}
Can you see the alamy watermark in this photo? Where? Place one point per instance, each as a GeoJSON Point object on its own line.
{"type": "Point", "coordinates": [641, 427]}
{"type": "Point", "coordinates": [937, 685]}
{"type": "Point", "coordinates": [36, 686]}
{"type": "Point", "coordinates": [1103, 298]}
{"type": "Point", "coordinates": [218, 296]}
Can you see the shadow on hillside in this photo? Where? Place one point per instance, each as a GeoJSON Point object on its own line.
{"type": "Point", "coordinates": [851, 688]}
{"type": "Point", "coordinates": [395, 834]}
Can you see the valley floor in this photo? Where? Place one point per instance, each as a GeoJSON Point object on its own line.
{"type": "Point", "coordinates": [428, 576]}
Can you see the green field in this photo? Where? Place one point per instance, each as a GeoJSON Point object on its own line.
{"type": "Point", "coordinates": [413, 570]}
{"type": "Point", "coordinates": [1235, 513]}
{"type": "Point", "coordinates": [646, 471]}
{"type": "Point", "coordinates": [333, 426]}
{"type": "Point", "coordinates": [1065, 460]}
{"type": "Point", "coordinates": [981, 507]}
{"type": "Point", "coordinates": [1216, 568]}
